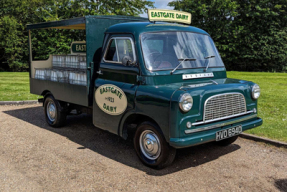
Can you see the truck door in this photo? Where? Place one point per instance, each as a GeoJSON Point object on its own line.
{"type": "Point", "coordinates": [116, 84]}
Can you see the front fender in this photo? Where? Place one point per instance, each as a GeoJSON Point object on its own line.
{"type": "Point", "coordinates": [154, 101]}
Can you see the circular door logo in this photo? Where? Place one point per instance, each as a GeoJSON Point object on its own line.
{"type": "Point", "coordinates": [111, 99]}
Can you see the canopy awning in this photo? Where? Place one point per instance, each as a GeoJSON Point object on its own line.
{"type": "Point", "coordinates": [80, 22]}
{"type": "Point", "coordinates": [75, 23]}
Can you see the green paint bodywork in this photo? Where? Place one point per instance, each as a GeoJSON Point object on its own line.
{"type": "Point", "coordinates": [157, 93]}
{"type": "Point", "coordinates": [151, 94]}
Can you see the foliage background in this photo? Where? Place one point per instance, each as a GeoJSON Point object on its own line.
{"type": "Point", "coordinates": [16, 14]}
{"type": "Point", "coordinates": [251, 35]}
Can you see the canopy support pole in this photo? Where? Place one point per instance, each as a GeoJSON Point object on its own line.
{"type": "Point", "coordinates": [30, 52]}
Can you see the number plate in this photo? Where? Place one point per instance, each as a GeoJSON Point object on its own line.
{"type": "Point", "coordinates": [230, 132]}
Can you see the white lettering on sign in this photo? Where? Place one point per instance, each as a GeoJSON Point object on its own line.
{"type": "Point", "coordinates": [196, 76]}
{"type": "Point", "coordinates": [111, 99]}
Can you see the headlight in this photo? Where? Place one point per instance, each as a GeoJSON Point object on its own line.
{"type": "Point", "coordinates": [185, 102]}
{"type": "Point", "coordinates": [255, 91]}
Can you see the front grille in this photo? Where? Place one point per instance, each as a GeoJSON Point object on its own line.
{"type": "Point", "coordinates": [224, 105]}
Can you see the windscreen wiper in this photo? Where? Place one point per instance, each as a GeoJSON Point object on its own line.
{"type": "Point", "coordinates": [208, 57]}
{"type": "Point", "coordinates": [182, 60]}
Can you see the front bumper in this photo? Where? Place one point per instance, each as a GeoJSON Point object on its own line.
{"type": "Point", "coordinates": [208, 135]}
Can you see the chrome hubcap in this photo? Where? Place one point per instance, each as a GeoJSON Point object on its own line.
{"type": "Point", "coordinates": [150, 145]}
{"type": "Point", "coordinates": [51, 111]}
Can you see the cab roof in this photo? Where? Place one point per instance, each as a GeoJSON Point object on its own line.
{"type": "Point", "coordinates": [141, 27]}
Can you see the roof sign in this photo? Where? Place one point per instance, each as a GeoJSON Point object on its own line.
{"type": "Point", "coordinates": [169, 15]}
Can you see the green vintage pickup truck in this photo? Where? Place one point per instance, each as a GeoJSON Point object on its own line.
{"type": "Point", "coordinates": [163, 84]}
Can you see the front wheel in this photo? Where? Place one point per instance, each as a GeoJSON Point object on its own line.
{"type": "Point", "coordinates": [55, 117]}
{"type": "Point", "coordinates": [151, 147]}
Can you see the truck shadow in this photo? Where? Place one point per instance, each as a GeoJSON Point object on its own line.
{"type": "Point", "coordinates": [281, 184]}
{"type": "Point", "coordinates": [80, 130]}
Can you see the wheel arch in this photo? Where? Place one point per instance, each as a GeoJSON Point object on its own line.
{"type": "Point", "coordinates": [45, 94]}
{"type": "Point", "coordinates": [61, 104]}
{"type": "Point", "coordinates": [129, 125]}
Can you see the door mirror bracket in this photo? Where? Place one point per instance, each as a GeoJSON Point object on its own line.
{"type": "Point", "coordinates": [127, 61]}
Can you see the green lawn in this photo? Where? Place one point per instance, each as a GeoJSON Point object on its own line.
{"type": "Point", "coordinates": [14, 86]}
{"type": "Point", "coordinates": [272, 102]}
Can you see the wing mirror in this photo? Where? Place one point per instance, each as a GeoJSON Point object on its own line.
{"type": "Point", "coordinates": [127, 61]}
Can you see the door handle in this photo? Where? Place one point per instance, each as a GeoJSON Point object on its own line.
{"type": "Point", "coordinates": [100, 72]}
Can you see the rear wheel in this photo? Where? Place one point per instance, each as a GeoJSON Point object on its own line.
{"type": "Point", "coordinates": [55, 116]}
{"type": "Point", "coordinates": [227, 141]}
{"type": "Point", "coordinates": [151, 147]}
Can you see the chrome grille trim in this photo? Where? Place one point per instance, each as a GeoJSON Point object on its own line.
{"type": "Point", "coordinates": [224, 105]}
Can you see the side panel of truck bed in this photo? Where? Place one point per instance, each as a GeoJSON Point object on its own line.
{"type": "Point", "coordinates": [61, 91]}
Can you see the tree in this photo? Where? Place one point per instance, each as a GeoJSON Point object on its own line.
{"type": "Point", "coordinates": [16, 14]}
{"type": "Point", "coordinates": [261, 44]}
{"type": "Point", "coordinates": [10, 41]}
{"type": "Point", "coordinates": [250, 34]}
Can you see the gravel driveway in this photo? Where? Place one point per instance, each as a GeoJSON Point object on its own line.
{"type": "Point", "coordinates": [80, 157]}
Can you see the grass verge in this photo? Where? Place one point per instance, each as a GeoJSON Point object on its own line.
{"type": "Point", "coordinates": [14, 86]}
{"type": "Point", "coordinates": [272, 104]}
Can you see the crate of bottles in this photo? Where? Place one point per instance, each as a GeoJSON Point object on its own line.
{"type": "Point", "coordinates": [59, 76]}
{"type": "Point", "coordinates": [63, 76]}
{"type": "Point", "coordinates": [54, 75]}
{"type": "Point", "coordinates": [42, 73]}
{"type": "Point", "coordinates": [59, 60]}
{"type": "Point", "coordinates": [77, 78]}
{"type": "Point", "coordinates": [70, 61]}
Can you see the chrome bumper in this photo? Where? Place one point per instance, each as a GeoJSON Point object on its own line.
{"type": "Point", "coordinates": [220, 124]}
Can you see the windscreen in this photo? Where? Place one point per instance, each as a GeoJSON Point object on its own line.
{"type": "Point", "coordinates": [165, 50]}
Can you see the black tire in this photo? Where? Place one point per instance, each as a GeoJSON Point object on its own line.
{"type": "Point", "coordinates": [228, 141]}
{"type": "Point", "coordinates": [165, 155]}
{"type": "Point", "coordinates": [58, 118]}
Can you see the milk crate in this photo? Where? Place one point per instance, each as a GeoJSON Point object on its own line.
{"type": "Point", "coordinates": [82, 62]}
{"type": "Point", "coordinates": [59, 61]}
{"type": "Point", "coordinates": [43, 73]}
{"type": "Point", "coordinates": [77, 78]}
{"type": "Point", "coordinates": [63, 76]}
{"type": "Point", "coordinates": [54, 75]}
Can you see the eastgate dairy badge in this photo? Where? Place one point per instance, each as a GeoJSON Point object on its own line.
{"type": "Point", "coordinates": [111, 99]}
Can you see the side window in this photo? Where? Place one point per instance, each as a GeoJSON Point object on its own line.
{"type": "Point", "coordinates": [111, 54]}
{"type": "Point", "coordinates": [124, 49]}
{"type": "Point", "coordinates": [119, 48]}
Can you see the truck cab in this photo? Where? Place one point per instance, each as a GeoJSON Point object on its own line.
{"type": "Point", "coordinates": [163, 84]}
